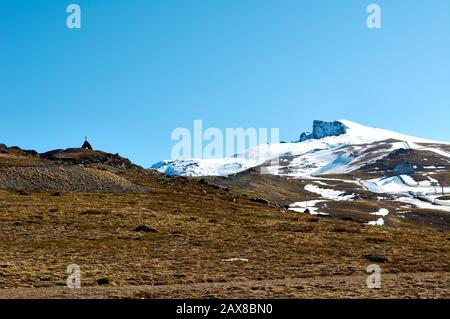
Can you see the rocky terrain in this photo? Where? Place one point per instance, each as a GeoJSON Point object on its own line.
{"type": "Point", "coordinates": [64, 170]}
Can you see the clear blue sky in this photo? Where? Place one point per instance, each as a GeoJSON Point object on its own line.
{"type": "Point", "coordinates": [137, 69]}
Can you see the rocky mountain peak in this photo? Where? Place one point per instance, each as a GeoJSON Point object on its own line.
{"type": "Point", "coordinates": [323, 129]}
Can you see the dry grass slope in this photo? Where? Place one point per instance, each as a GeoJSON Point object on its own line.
{"type": "Point", "coordinates": [190, 230]}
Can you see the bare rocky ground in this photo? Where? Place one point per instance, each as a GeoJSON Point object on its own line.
{"type": "Point", "coordinates": [178, 237]}
{"type": "Point", "coordinates": [403, 285]}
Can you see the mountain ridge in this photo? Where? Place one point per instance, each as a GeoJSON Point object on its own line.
{"type": "Point", "coordinates": [326, 136]}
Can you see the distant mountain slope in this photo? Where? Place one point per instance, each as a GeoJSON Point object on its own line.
{"type": "Point", "coordinates": [342, 169]}
{"type": "Point", "coordinates": [333, 147]}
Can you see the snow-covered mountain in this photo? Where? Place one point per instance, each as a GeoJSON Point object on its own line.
{"type": "Point", "coordinates": [332, 148]}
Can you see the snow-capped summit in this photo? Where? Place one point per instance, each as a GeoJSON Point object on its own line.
{"type": "Point", "coordinates": [333, 147]}
{"type": "Point", "coordinates": [377, 134]}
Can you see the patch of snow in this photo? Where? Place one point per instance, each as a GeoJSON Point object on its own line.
{"type": "Point", "coordinates": [300, 207]}
{"type": "Point", "coordinates": [422, 204]}
{"type": "Point", "coordinates": [408, 180]}
{"type": "Point", "coordinates": [235, 260]}
{"type": "Point", "coordinates": [382, 212]}
{"type": "Point", "coordinates": [397, 185]}
{"type": "Point", "coordinates": [379, 222]}
{"type": "Point", "coordinates": [328, 193]}
{"type": "Point", "coordinates": [433, 180]}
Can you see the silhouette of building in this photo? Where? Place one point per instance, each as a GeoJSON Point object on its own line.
{"type": "Point", "coordinates": [86, 145]}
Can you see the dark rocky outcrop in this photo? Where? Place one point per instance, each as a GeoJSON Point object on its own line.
{"type": "Point", "coordinates": [323, 129]}
{"type": "Point", "coordinates": [377, 258]}
{"type": "Point", "coordinates": [145, 229]}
